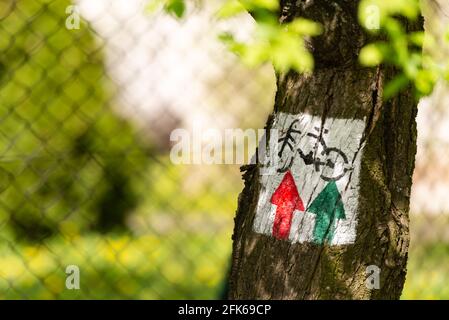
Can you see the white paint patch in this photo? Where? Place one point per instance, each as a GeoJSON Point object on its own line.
{"type": "Point", "coordinates": [315, 163]}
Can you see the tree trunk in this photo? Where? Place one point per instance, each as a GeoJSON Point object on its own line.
{"type": "Point", "coordinates": [322, 251]}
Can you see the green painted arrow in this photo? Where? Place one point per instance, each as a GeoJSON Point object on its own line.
{"type": "Point", "coordinates": [328, 207]}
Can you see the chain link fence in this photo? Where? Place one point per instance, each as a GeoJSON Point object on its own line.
{"type": "Point", "coordinates": [89, 94]}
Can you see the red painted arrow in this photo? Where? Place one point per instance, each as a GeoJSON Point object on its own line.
{"type": "Point", "coordinates": [287, 200]}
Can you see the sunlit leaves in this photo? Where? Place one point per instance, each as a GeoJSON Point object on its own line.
{"type": "Point", "coordinates": [154, 5]}
{"type": "Point", "coordinates": [417, 38]}
{"type": "Point", "coordinates": [283, 45]}
{"type": "Point", "coordinates": [384, 10]}
{"type": "Point", "coordinates": [231, 8]}
{"type": "Point", "coordinates": [394, 86]}
{"type": "Point", "coordinates": [402, 49]}
{"type": "Point", "coordinates": [304, 27]}
{"type": "Point", "coordinates": [371, 55]}
{"type": "Point", "coordinates": [234, 7]}
{"type": "Point", "coordinates": [176, 8]}
{"type": "Point", "coordinates": [261, 4]}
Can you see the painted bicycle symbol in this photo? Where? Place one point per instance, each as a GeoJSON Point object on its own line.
{"type": "Point", "coordinates": [330, 161]}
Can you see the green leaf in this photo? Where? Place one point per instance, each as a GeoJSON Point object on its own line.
{"type": "Point", "coordinates": [233, 46]}
{"type": "Point", "coordinates": [231, 8]}
{"type": "Point", "coordinates": [255, 54]}
{"type": "Point", "coordinates": [305, 27]}
{"type": "Point", "coordinates": [395, 85]}
{"type": "Point", "coordinates": [425, 81]}
{"type": "Point", "coordinates": [154, 5]}
{"type": "Point", "coordinates": [446, 35]}
{"type": "Point", "coordinates": [175, 7]}
{"type": "Point", "coordinates": [417, 38]}
{"type": "Point", "coordinates": [226, 37]}
{"type": "Point", "coordinates": [374, 13]}
{"type": "Point", "coordinates": [261, 4]}
{"type": "Point", "coordinates": [412, 65]}
{"type": "Point", "coordinates": [371, 55]}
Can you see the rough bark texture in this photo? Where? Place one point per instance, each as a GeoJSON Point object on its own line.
{"type": "Point", "coordinates": [266, 268]}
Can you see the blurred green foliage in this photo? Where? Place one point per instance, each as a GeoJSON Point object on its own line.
{"type": "Point", "coordinates": [66, 156]}
{"type": "Point", "coordinates": [284, 45]}
{"type": "Point", "coordinates": [400, 48]}
{"type": "Point", "coordinates": [117, 266]}
{"type": "Point", "coordinates": [71, 167]}
{"type": "Point", "coordinates": [191, 265]}
{"type": "Point", "coordinates": [179, 247]}
{"type": "Point", "coordinates": [428, 272]}
{"type": "Point", "coordinates": [173, 7]}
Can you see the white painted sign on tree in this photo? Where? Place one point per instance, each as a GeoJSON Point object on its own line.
{"type": "Point", "coordinates": [312, 195]}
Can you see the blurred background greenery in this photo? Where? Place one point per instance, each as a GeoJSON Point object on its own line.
{"type": "Point", "coordinates": [85, 182]}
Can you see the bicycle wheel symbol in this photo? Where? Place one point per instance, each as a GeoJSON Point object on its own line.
{"type": "Point", "coordinates": [335, 165]}
{"type": "Point", "coordinates": [331, 162]}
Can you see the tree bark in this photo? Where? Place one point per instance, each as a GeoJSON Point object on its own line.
{"type": "Point", "coordinates": [264, 267]}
